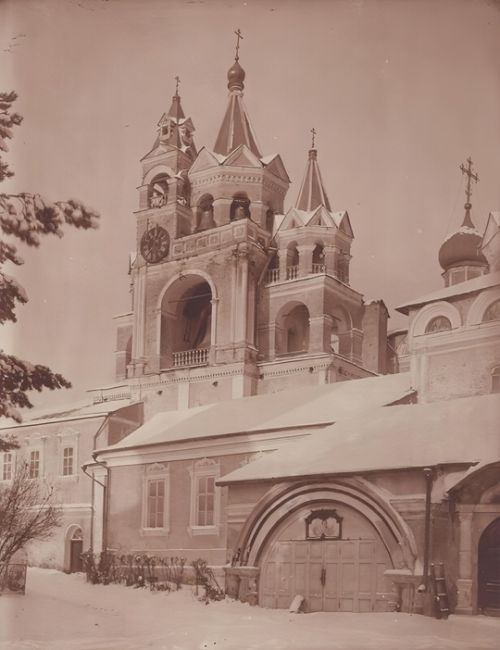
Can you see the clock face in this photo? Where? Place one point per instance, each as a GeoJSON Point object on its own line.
{"type": "Point", "coordinates": [155, 244]}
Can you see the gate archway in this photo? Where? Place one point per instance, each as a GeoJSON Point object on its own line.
{"type": "Point", "coordinates": [489, 569]}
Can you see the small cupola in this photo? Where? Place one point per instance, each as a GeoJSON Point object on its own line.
{"type": "Point", "coordinates": [460, 255]}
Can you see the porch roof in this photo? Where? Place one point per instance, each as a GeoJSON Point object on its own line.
{"type": "Point", "coordinates": [455, 431]}
{"type": "Point", "coordinates": [290, 409]}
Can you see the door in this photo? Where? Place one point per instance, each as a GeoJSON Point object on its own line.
{"type": "Point", "coordinates": [340, 575]}
{"type": "Point", "coordinates": [76, 551]}
{"type": "Point", "coordinates": [489, 569]}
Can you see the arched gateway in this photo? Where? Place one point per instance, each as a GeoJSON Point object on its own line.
{"type": "Point", "coordinates": [489, 569]}
{"type": "Point", "coordinates": [330, 543]}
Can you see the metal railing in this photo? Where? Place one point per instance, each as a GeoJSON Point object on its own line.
{"type": "Point", "coordinates": [189, 358]}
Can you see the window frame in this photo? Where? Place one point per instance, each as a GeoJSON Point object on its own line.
{"type": "Point", "coordinates": [202, 469]}
{"type": "Point", "coordinates": [73, 461]}
{"type": "Point", "coordinates": [11, 465]}
{"type": "Point", "coordinates": [68, 438]}
{"type": "Point", "coordinates": [31, 451]}
{"type": "Point", "coordinates": [155, 472]}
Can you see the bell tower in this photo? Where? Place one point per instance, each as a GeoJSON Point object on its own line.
{"type": "Point", "coordinates": [204, 229]}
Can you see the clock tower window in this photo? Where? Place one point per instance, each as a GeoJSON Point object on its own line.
{"type": "Point", "coordinates": [158, 191]}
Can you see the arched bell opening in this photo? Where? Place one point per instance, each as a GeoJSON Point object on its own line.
{"type": "Point", "coordinates": [318, 259]}
{"type": "Point", "coordinates": [158, 191]}
{"type": "Point", "coordinates": [240, 207]}
{"type": "Point", "coordinates": [205, 213]}
{"type": "Point", "coordinates": [341, 333]}
{"type": "Point", "coordinates": [186, 323]}
{"type": "Point", "coordinates": [489, 569]}
{"type": "Point", "coordinates": [342, 267]}
{"type": "Point", "coordinates": [292, 261]}
{"type": "Point", "coordinates": [270, 220]}
{"type": "Point", "coordinates": [292, 330]}
{"type": "Point", "coordinates": [273, 271]}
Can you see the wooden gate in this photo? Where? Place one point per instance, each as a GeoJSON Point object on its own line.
{"type": "Point", "coordinates": [340, 575]}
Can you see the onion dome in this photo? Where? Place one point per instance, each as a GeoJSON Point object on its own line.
{"type": "Point", "coordinates": [235, 77]}
{"type": "Point", "coordinates": [462, 247]}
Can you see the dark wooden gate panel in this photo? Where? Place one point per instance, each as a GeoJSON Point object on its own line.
{"type": "Point", "coordinates": [342, 575]}
{"type": "Point", "coordinates": [76, 550]}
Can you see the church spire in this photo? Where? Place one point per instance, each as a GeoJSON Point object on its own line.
{"type": "Point", "coordinates": [174, 129]}
{"type": "Point", "coordinates": [312, 192]}
{"type": "Point", "coordinates": [236, 129]}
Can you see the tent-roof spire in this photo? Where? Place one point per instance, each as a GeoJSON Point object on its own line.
{"type": "Point", "coordinates": [312, 191]}
{"type": "Point", "coordinates": [236, 129]}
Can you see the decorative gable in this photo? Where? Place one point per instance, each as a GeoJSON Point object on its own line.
{"type": "Point", "coordinates": [242, 157]}
{"type": "Point", "coordinates": [204, 160]}
{"type": "Point", "coordinates": [274, 164]}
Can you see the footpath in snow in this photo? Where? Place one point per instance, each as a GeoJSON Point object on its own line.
{"type": "Point", "coordinates": [63, 612]}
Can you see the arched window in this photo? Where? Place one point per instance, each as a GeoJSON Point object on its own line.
{"type": "Point", "coordinates": [318, 259]}
{"type": "Point", "coordinates": [205, 213]}
{"type": "Point", "coordinates": [158, 191]}
{"type": "Point", "coordinates": [493, 312]}
{"type": "Point", "coordinates": [292, 261]}
{"type": "Point", "coordinates": [438, 324]}
{"type": "Point", "coordinates": [240, 207]}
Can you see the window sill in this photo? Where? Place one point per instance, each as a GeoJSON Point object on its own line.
{"type": "Point", "coordinates": [154, 532]}
{"type": "Point", "coordinates": [68, 478]}
{"type": "Point", "coordinates": [194, 531]}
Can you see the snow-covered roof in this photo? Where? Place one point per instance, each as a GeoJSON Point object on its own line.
{"type": "Point", "coordinates": [396, 437]}
{"type": "Point", "coordinates": [73, 412]}
{"type": "Point", "coordinates": [299, 408]}
{"type": "Point", "coordinates": [469, 286]}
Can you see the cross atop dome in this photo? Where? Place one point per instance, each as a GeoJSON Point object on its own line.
{"type": "Point", "coordinates": [468, 190]}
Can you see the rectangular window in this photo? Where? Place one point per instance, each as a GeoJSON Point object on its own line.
{"type": "Point", "coordinates": [205, 501]}
{"type": "Point", "coordinates": [156, 503]}
{"type": "Point", "coordinates": [35, 464]}
{"type": "Point", "coordinates": [68, 460]}
{"type": "Point", "coordinates": [7, 466]}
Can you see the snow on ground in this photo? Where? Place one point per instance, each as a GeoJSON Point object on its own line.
{"type": "Point", "coordinates": [63, 612]}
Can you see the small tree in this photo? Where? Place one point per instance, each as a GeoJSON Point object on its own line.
{"type": "Point", "coordinates": [26, 216]}
{"type": "Point", "coordinates": [27, 512]}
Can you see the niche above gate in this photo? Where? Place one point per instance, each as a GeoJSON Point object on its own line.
{"type": "Point", "coordinates": [323, 524]}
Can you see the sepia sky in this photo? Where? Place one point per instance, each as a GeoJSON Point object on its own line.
{"type": "Point", "coordinates": [400, 92]}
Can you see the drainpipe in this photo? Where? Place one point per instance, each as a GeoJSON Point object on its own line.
{"type": "Point", "coordinates": [106, 502]}
{"type": "Point", "coordinates": [427, 525]}
{"type": "Point", "coordinates": [94, 480]}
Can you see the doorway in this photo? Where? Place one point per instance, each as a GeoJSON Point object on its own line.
{"type": "Point", "coordinates": [76, 550]}
{"type": "Point", "coordinates": [489, 570]}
